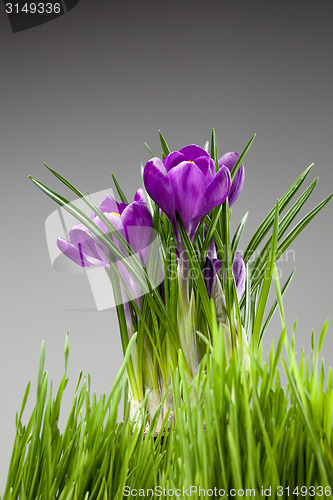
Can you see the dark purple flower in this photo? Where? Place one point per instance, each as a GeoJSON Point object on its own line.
{"type": "Point", "coordinates": [187, 182]}
{"type": "Point", "coordinates": [213, 267]}
{"type": "Point", "coordinates": [229, 160]}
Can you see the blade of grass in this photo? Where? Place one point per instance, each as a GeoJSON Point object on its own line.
{"type": "Point", "coordinates": [241, 158]}
{"type": "Point", "coordinates": [119, 190]}
{"type": "Point", "coordinates": [149, 150]}
{"type": "Point", "coordinates": [165, 147]}
{"type": "Point", "coordinates": [269, 219]}
{"type": "Point", "coordinates": [266, 281]}
{"type": "Point", "coordinates": [237, 236]}
{"type": "Point", "coordinates": [275, 304]}
{"type": "Point", "coordinates": [285, 223]}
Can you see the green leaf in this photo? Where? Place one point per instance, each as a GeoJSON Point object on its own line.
{"type": "Point", "coordinates": [119, 190]}
{"type": "Point", "coordinates": [300, 226]}
{"type": "Point", "coordinates": [165, 147]}
{"type": "Point", "coordinates": [282, 247]}
{"type": "Point", "coordinates": [213, 150]}
{"type": "Point", "coordinates": [275, 304]}
{"type": "Point", "coordinates": [24, 402]}
{"type": "Point", "coordinates": [211, 230]}
{"type": "Point", "coordinates": [263, 297]}
{"type": "Point", "coordinates": [241, 158]}
{"type": "Point", "coordinates": [269, 219]}
{"type": "Point", "coordinates": [279, 295]}
{"type": "Point", "coordinates": [322, 337]}
{"type": "Point", "coordinates": [237, 236]}
{"type": "Point", "coordinates": [284, 224]}
{"type": "Point", "coordinates": [149, 150]}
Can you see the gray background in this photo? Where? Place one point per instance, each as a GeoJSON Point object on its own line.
{"type": "Point", "coordinates": [84, 92]}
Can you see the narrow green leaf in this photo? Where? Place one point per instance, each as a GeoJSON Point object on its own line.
{"type": "Point", "coordinates": [211, 230]}
{"type": "Point", "coordinates": [165, 147]}
{"type": "Point", "coordinates": [269, 219]}
{"type": "Point", "coordinates": [266, 281]}
{"type": "Point", "coordinates": [149, 150]}
{"type": "Point", "coordinates": [279, 295]}
{"type": "Point", "coordinates": [322, 337]}
{"type": "Point", "coordinates": [237, 236]}
{"type": "Point", "coordinates": [241, 158]}
{"type": "Point", "coordinates": [206, 146]}
{"type": "Point", "coordinates": [275, 304]}
{"type": "Point", "coordinates": [119, 190]}
{"type": "Point", "coordinates": [24, 402]}
{"type": "Point", "coordinates": [213, 150]}
{"type": "Point", "coordinates": [300, 226]}
{"type": "Point", "coordinates": [284, 224]}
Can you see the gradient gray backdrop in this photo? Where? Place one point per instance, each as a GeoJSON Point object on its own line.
{"type": "Point", "coordinates": [84, 92]}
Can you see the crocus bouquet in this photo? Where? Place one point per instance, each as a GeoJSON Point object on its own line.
{"type": "Point", "coordinates": [170, 300]}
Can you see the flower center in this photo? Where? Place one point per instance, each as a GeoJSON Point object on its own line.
{"type": "Point", "coordinates": [115, 213]}
{"type": "Point", "coordinates": [190, 161]}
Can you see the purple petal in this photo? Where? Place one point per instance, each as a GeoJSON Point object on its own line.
{"type": "Point", "coordinates": [173, 159]}
{"type": "Point", "coordinates": [81, 253]}
{"type": "Point", "coordinates": [122, 207]}
{"type": "Point", "coordinates": [113, 218]}
{"type": "Point", "coordinates": [207, 167]}
{"type": "Point", "coordinates": [215, 193]}
{"type": "Point", "coordinates": [229, 160]}
{"type": "Point", "coordinates": [109, 204]}
{"type": "Point", "coordinates": [239, 272]}
{"type": "Point", "coordinates": [140, 196]}
{"type": "Point", "coordinates": [208, 274]}
{"type": "Point", "coordinates": [116, 223]}
{"type": "Point", "coordinates": [212, 267]}
{"type": "Point", "coordinates": [188, 184]}
{"type": "Point", "coordinates": [79, 237]}
{"type": "Point", "coordinates": [137, 221]}
{"type": "Point", "coordinates": [192, 152]}
{"type": "Point", "coordinates": [159, 187]}
{"type": "Point", "coordinates": [217, 264]}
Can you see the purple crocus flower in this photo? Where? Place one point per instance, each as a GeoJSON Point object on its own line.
{"type": "Point", "coordinates": [187, 182]}
{"type": "Point", "coordinates": [133, 221]}
{"type": "Point", "coordinates": [213, 267]}
{"type": "Point", "coordinates": [229, 160]}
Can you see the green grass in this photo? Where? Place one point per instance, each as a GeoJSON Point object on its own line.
{"type": "Point", "coordinates": [232, 428]}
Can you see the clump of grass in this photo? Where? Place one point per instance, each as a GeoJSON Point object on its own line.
{"type": "Point", "coordinates": [233, 427]}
